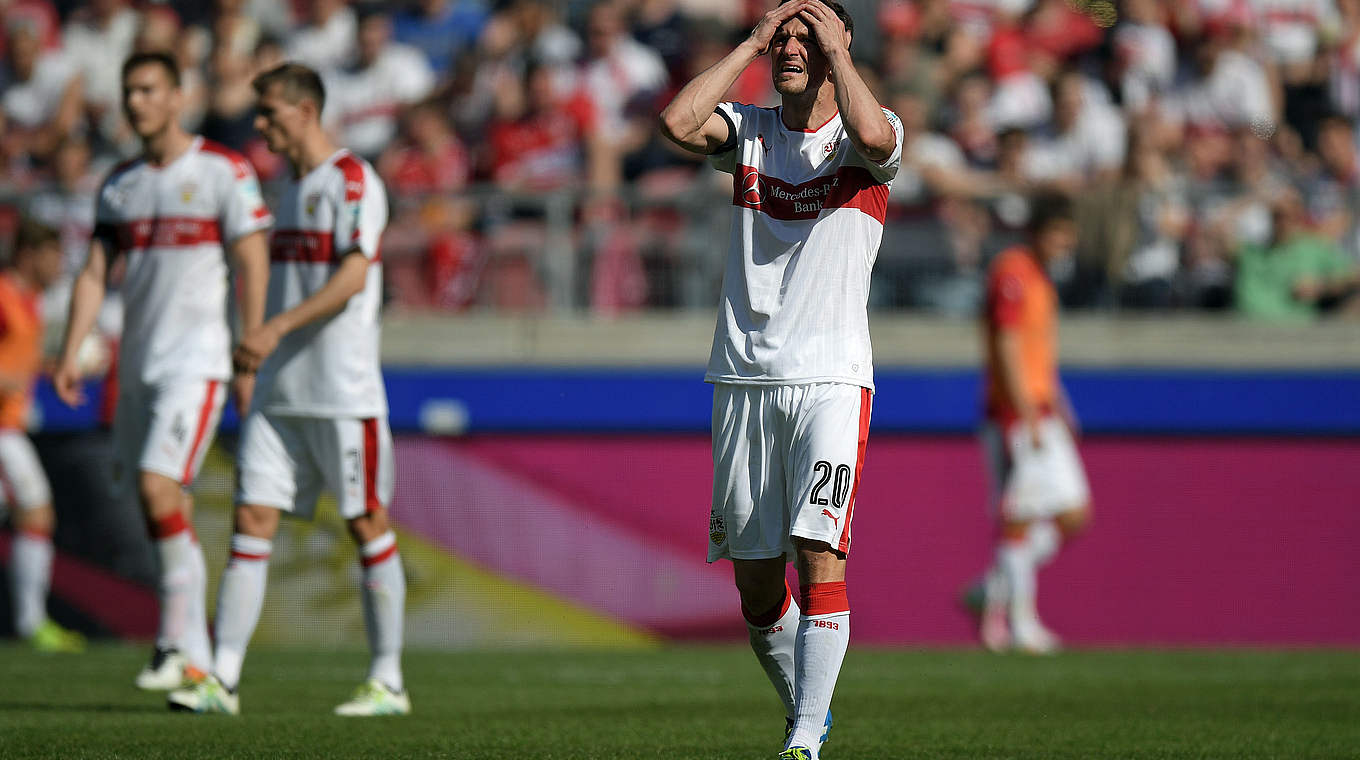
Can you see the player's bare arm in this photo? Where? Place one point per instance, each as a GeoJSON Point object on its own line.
{"type": "Point", "coordinates": [689, 120]}
{"type": "Point", "coordinates": [87, 294]}
{"type": "Point", "coordinates": [347, 282]}
{"type": "Point", "coordinates": [1008, 356]}
{"type": "Point", "coordinates": [865, 124]}
{"type": "Point", "coordinates": [250, 256]}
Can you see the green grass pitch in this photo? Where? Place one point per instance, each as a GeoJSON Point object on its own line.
{"type": "Point", "coordinates": [705, 703]}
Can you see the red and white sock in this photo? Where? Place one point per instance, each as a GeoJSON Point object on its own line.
{"type": "Point", "coordinates": [240, 597]}
{"type": "Point", "coordinates": [30, 577]}
{"type": "Point", "coordinates": [384, 599]}
{"type": "Point", "coordinates": [823, 636]}
{"type": "Point", "coordinates": [774, 637]}
{"type": "Point", "coordinates": [183, 591]}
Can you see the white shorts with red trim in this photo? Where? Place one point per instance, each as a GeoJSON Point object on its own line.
{"type": "Point", "coordinates": [23, 484]}
{"type": "Point", "coordinates": [285, 462]}
{"type": "Point", "coordinates": [786, 463]}
{"type": "Point", "coordinates": [166, 428]}
{"type": "Point", "coordinates": [1030, 483]}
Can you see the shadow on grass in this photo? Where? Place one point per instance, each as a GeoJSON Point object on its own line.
{"type": "Point", "coordinates": [94, 707]}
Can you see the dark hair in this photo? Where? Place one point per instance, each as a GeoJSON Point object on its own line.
{"type": "Point", "coordinates": [155, 58]}
{"type": "Point", "coordinates": [32, 235]}
{"type": "Point", "coordinates": [299, 83]}
{"type": "Point", "coordinates": [1048, 208]}
{"type": "Point", "coordinates": [841, 13]}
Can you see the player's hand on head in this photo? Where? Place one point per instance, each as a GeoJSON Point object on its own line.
{"type": "Point", "coordinates": [826, 27]}
{"type": "Point", "coordinates": [763, 34]}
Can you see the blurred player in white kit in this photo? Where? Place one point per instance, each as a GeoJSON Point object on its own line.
{"type": "Point", "coordinates": [320, 414]}
{"type": "Point", "coordinates": [175, 212]}
{"type": "Point", "coordinates": [791, 364]}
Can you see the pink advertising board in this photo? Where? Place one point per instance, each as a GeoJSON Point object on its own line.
{"type": "Point", "coordinates": [1195, 541]}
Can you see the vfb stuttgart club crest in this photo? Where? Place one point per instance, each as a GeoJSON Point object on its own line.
{"type": "Point", "coordinates": [717, 528]}
{"type": "Point", "coordinates": [752, 187]}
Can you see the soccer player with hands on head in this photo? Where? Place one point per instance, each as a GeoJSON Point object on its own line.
{"type": "Point", "coordinates": [320, 414]}
{"type": "Point", "coordinates": [791, 364]}
{"type": "Point", "coordinates": [178, 212]}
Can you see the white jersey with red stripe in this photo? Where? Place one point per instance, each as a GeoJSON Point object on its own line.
{"type": "Point", "coordinates": [805, 233]}
{"type": "Point", "coordinates": [171, 222]}
{"type": "Point", "coordinates": [329, 368]}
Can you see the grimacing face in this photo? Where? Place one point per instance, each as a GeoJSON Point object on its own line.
{"type": "Point", "coordinates": [151, 101]}
{"type": "Point", "coordinates": [281, 122]}
{"type": "Point", "coordinates": [797, 63]}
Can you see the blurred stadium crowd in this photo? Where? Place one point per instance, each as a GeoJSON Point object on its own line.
{"type": "Point", "coordinates": [1211, 143]}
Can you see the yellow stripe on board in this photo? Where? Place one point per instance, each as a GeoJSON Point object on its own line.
{"type": "Point", "coordinates": [314, 575]}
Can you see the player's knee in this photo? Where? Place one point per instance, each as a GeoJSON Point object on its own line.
{"type": "Point", "coordinates": [161, 496]}
{"type": "Point", "coordinates": [256, 521]}
{"type": "Point", "coordinates": [39, 520]}
{"type": "Point", "coordinates": [1074, 521]}
{"type": "Point", "coordinates": [369, 526]}
{"type": "Point", "coordinates": [760, 583]}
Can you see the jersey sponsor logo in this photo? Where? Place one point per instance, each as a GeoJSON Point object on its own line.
{"type": "Point", "coordinates": [850, 187]}
{"type": "Point", "coordinates": [310, 246]}
{"type": "Point", "coordinates": [167, 232]}
{"type": "Point", "coordinates": [751, 188]}
{"type": "Point", "coordinates": [834, 518]}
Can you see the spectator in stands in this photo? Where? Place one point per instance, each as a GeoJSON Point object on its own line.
{"type": "Point", "coordinates": [234, 28]}
{"type": "Point", "coordinates": [42, 95]}
{"type": "Point", "coordinates": [1085, 142]}
{"type": "Point", "coordinates": [1231, 88]}
{"type": "Point", "coordinates": [441, 29]}
{"type": "Point", "coordinates": [327, 41]}
{"type": "Point", "coordinates": [1333, 193]}
{"type": "Point", "coordinates": [429, 158]}
{"type": "Point", "coordinates": [365, 101]}
{"type": "Point", "coordinates": [540, 140]}
{"type": "Point", "coordinates": [622, 77]}
{"type": "Point", "coordinates": [1144, 218]}
{"type": "Point", "coordinates": [97, 39]}
{"type": "Point", "coordinates": [1144, 54]}
{"type": "Point", "coordinates": [1298, 275]}
{"type": "Point", "coordinates": [66, 204]}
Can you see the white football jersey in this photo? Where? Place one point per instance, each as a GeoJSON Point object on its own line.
{"type": "Point", "coordinates": [805, 234]}
{"type": "Point", "coordinates": [329, 368]}
{"type": "Point", "coordinates": [171, 223]}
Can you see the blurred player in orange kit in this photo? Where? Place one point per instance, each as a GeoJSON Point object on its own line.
{"type": "Point", "coordinates": [36, 264]}
{"type": "Point", "coordinates": [1040, 490]}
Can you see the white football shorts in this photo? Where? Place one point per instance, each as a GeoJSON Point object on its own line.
{"type": "Point", "coordinates": [1031, 483]}
{"type": "Point", "coordinates": [786, 463]}
{"type": "Point", "coordinates": [22, 480]}
{"type": "Point", "coordinates": [165, 428]}
{"type": "Point", "coordinates": [285, 461]}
